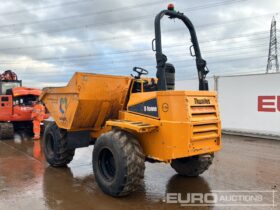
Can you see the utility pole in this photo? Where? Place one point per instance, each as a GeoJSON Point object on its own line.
{"type": "Point", "coordinates": [272, 61]}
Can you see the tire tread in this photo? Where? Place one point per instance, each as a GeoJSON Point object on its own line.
{"type": "Point", "coordinates": [192, 166]}
{"type": "Point", "coordinates": [64, 155]}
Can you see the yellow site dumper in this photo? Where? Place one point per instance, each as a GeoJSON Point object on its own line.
{"type": "Point", "coordinates": [132, 119]}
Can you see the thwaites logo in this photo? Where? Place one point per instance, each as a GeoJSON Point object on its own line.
{"type": "Point", "coordinates": [201, 101]}
{"type": "Point", "coordinates": [147, 108]}
{"type": "Point", "coordinates": [269, 103]}
{"type": "Point", "coordinates": [63, 104]}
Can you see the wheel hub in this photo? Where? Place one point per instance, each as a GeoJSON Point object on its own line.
{"type": "Point", "coordinates": [107, 164]}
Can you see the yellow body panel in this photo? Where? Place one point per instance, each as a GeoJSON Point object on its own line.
{"type": "Point", "coordinates": [188, 124]}
{"type": "Point", "coordinates": [182, 123]}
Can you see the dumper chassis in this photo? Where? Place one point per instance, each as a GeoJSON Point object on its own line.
{"type": "Point", "coordinates": [131, 120]}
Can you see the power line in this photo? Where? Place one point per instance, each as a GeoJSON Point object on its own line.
{"type": "Point", "coordinates": [45, 7]}
{"type": "Point", "coordinates": [111, 71]}
{"type": "Point", "coordinates": [238, 37]}
{"type": "Point", "coordinates": [82, 15]}
{"type": "Point", "coordinates": [121, 21]}
{"type": "Point", "coordinates": [102, 54]}
{"type": "Point", "coordinates": [75, 58]}
{"type": "Point", "coordinates": [125, 37]}
{"type": "Point", "coordinates": [219, 61]}
{"type": "Point", "coordinates": [149, 49]}
{"type": "Point", "coordinates": [228, 73]}
{"type": "Point", "coordinates": [142, 57]}
{"type": "Point", "coordinates": [231, 57]}
{"type": "Point", "coordinates": [181, 68]}
{"type": "Point", "coordinates": [204, 6]}
{"type": "Point", "coordinates": [90, 56]}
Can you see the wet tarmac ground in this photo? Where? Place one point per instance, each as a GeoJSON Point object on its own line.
{"type": "Point", "coordinates": [27, 182]}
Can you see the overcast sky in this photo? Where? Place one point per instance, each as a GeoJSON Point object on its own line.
{"type": "Point", "coordinates": [46, 41]}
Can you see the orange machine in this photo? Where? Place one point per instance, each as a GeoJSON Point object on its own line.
{"type": "Point", "coordinates": [131, 120]}
{"type": "Point", "coordinates": [16, 104]}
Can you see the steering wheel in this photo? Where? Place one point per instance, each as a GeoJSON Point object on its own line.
{"type": "Point", "coordinates": [140, 71]}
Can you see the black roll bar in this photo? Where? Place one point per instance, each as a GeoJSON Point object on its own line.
{"type": "Point", "coordinates": [161, 58]}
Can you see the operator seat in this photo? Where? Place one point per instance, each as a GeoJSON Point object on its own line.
{"type": "Point", "coordinates": [170, 76]}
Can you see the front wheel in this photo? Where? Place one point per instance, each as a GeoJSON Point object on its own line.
{"type": "Point", "coordinates": [192, 166]}
{"type": "Point", "coordinates": [55, 146]}
{"type": "Point", "coordinates": [118, 163]}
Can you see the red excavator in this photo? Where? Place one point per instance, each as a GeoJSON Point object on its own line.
{"type": "Point", "coordinates": [16, 104]}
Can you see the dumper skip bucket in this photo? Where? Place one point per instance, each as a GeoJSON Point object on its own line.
{"type": "Point", "coordinates": [87, 101]}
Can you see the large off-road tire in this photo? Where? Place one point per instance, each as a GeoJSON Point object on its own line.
{"type": "Point", "coordinates": [55, 146]}
{"type": "Point", "coordinates": [192, 166]}
{"type": "Point", "coordinates": [118, 163]}
{"type": "Point", "coordinates": [6, 131]}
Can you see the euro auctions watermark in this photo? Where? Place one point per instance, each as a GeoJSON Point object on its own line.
{"type": "Point", "coordinates": [231, 198]}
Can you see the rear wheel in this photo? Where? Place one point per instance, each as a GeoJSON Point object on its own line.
{"type": "Point", "coordinates": [118, 163]}
{"type": "Point", "coordinates": [192, 166]}
{"type": "Point", "coordinates": [55, 146]}
{"type": "Point", "coordinates": [6, 131]}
